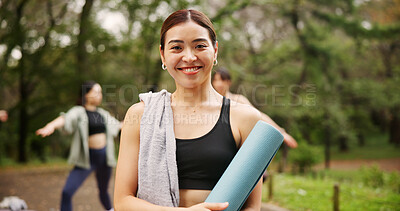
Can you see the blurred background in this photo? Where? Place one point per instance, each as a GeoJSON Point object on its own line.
{"type": "Point", "coordinates": [326, 71]}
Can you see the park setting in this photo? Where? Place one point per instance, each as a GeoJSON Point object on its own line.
{"type": "Point", "coordinates": [325, 74]}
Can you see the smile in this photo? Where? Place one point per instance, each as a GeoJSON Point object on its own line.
{"type": "Point", "coordinates": [190, 70]}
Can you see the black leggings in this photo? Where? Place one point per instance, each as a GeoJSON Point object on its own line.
{"type": "Point", "coordinates": [76, 177]}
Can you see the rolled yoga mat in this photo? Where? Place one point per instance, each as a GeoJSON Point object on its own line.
{"type": "Point", "coordinates": [247, 167]}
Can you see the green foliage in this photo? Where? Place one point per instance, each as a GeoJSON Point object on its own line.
{"type": "Point", "coordinates": [305, 157]}
{"type": "Point", "coordinates": [372, 176]}
{"type": "Point", "coordinates": [374, 93]}
{"type": "Point", "coordinates": [355, 28]}
{"type": "Point", "coordinates": [393, 181]}
{"type": "Point", "coordinates": [375, 148]}
{"type": "Point", "coordinates": [316, 67]}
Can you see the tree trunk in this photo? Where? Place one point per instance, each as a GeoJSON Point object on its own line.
{"type": "Point", "coordinates": [283, 162]}
{"type": "Point", "coordinates": [23, 115]}
{"type": "Point", "coordinates": [294, 20]}
{"type": "Point", "coordinates": [81, 55]}
{"type": "Point", "coordinates": [327, 147]}
{"type": "Point", "coordinates": [343, 146]}
{"type": "Point", "coordinates": [387, 51]}
{"type": "Point", "coordinates": [379, 118]}
{"type": "Point", "coordinates": [361, 140]}
{"type": "Point", "coordinates": [394, 137]}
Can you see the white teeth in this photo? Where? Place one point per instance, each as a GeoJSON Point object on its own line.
{"type": "Point", "coordinates": [190, 69]}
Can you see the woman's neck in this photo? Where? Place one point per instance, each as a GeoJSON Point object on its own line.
{"type": "Point", "coordinates": [195, 96]}
{"type": "Point", "coordinates": [90, 107]}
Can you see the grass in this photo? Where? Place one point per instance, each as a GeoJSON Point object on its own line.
{"type": "Point", "coordinates": [56, 162]}
{"type": "Point", "coordinates": [376, 147]}
{"type": "Point", "coordinates": [314, 193]}
{"type": "Point", "coordinates": [367, 188]}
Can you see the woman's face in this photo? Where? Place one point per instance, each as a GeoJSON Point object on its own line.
{"type": "Point", "coordinates": [94, 96]}
{"type": "Point", "coordinates": [221, 86]}
{"type": "Point", "coordinates": [188, 54]}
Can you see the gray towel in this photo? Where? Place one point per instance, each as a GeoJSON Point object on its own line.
{"type": "Point", "coordinates": [157, 170]}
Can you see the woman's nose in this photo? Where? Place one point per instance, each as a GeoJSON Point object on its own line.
{"type": "Point", "coordinates": [189, 56]}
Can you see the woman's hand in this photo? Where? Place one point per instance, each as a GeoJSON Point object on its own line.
{"type": "Point", "coordinates": [45, 131]}
{"type": "Point", "coordinates": [51, 126]}
{"type": "Point", "coordinates": [205, 206]}
{"type": "Point", "coordinates": [3, 116]}
{"type": "Point", "coordinates": [289, 140]}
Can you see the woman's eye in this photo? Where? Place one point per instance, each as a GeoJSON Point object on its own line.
{"type": "Point", "coordinates": [201, 46]}
{"type": "Point", "coordinates": [176, 48]}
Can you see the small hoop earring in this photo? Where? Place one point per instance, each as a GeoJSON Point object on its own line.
{"type": "Point", "coordinates": [215, 62]}
{"type": "Point", "coordinates": [163, 66]}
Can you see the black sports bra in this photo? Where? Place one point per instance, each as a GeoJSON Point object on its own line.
{"type": "Point", "coordinates": [96, 122]}
{"type": "Point", "coordinates": [202, 161]}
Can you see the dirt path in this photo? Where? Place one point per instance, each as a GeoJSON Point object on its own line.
{"type": "Point", "coordinates": [392, 164]}
{"type": "Point", "coordinates": [41, 187]}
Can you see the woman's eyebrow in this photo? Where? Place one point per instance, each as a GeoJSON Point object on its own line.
{"type": "Point", "coordinates": [175, 41]}
{"type": "Point", "coordinates": [181, 41]}
{"type": "Point", "coordinates": [200, 40]}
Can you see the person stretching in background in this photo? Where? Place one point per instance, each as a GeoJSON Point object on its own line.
{"type": "Point", "coordinates": [92, 147]}
{"type": "Point", "coordinates": [221, 82]}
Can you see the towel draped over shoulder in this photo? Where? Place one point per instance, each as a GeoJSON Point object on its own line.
{"type": "Point", "coordinates": [157, 168]}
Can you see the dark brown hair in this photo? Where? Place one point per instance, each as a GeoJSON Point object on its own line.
{"type": "Point", "coordinates": [224, 73]}
{"type": "Point", "coordinates": [182, 16]}
{"type": "Point", "coordinates": [85, 88]}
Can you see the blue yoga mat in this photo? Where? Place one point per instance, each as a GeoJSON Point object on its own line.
{"type": "Point", "coordinates": [247, 167]}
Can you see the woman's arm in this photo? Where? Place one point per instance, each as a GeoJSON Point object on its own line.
{"type": "Point", "coordinates": [245, 113]}
{"type": "Point", "coordinates": [51, 126]}
{"type": "Point", "coordinates": [126, 179]}
{"type": "Point", "coordinates": [253, 203]}
{"type": "Point", "coordinates": [288, 139]}
{"type": "Point", "coordinates": [68, 122]}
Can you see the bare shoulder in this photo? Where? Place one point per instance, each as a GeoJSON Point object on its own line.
{"type": "Point", "coordinates": [245, 113]}
{"type": "Point", "coordinates": [136, 108]}
{"type": "Point", "coordinates": [243, 118]}
{"type": "Point", "coordinates": [134, 114]}
{"type": "Point", "coordinates": [242, 99]}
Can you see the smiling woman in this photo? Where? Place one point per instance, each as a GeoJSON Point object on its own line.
{"type": "Point", "coordinates": [175, 147]}
{"type": "Point", "coordinates": [189, 50]}
{"type": "Point", "coordinates": [188, 47]}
